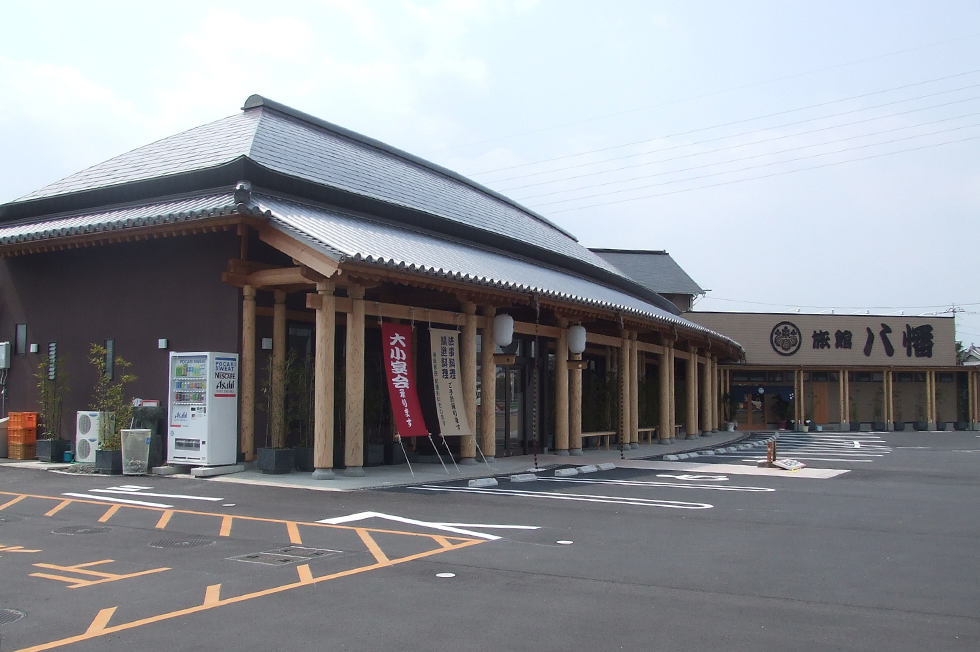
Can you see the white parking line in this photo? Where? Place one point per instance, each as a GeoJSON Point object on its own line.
{"type": "Point", "coordinates": [122, 501]}
{"type": "Point", "coordinates": [127, 492]}
{"type": "Point", "coordinates": [730, 469]}
{"type": "Point", "coordinates": [643, 483]}
{"type": "Point", "coordinates": [642, 502]}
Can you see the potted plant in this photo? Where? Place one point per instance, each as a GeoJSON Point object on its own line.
{"type": "Point", "coordinates": [730, 407]}
{"type": "Point", "coordinates": [877, 410]}
{"type": "Point", "coordinates": [52, 384]}
{"type": "Point", "coordinates": [920, 418]}
{"type": "Point", "coordinates": [855, 422]}
{"type": "Point", "coordinates": [275, 458]}
{"type": "Point", "coordinates": [940, 424]}
{"type": "Point", "coordinates": [299, 410]}
{"type": "Point", "coordinates": [899, 423]}
{"type": "Point", "coordinates": [109, 398]}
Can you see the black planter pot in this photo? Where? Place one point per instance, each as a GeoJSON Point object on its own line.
{"type": "Point", "coordinates": [899, 426]}
{"type": "Point", "coordinates": [879, 426]}
{"type": "Point", "coordinates": [108, 462]}
{"type": "Point", "coordinates": [52, 450]}
{"type": "Point", "coordinates": [275, 461]}
{"type": "Point", "coordinates": [304, 459]}
{"type": "Point", "coordinates": [374, 455]}
{"type": "Point", "coordinates": [962, 425]}
{"type": "Point", "coordinates": [921, 426]}
{"type": "Point", "coordinates": [940, 425]}
{"type": "Point", "coordinates": [855, 426]}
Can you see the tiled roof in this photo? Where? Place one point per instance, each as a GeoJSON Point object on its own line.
{"type": "Point", "coordinates": [119, 218]}
{"type": "Point", "coordinates": [300, 146]}
{"type": "Point", "coordinates": [397, 247]}
{"type": "Point", "coordinates": [654, 270]}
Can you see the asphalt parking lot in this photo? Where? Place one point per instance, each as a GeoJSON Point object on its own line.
{"type": "Point", "coordinates": [880, 557]}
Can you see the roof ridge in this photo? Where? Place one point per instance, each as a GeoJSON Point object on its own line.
{"type": "Point", "coordinates": [256, 101]}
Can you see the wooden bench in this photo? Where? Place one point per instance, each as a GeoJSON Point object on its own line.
{"type": "Point", "coordinates": [602, 438]}
{"type": "Point", "coordinates": [651, 434]}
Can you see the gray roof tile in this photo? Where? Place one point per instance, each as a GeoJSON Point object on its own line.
{"type": "Point", "coordinates": [654, 270]}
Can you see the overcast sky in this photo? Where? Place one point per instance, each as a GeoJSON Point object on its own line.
{"type": "Point", "coordinates": [787, 154]}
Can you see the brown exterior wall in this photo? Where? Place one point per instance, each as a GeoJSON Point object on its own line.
{"type": "Point", "coordinates": [134, 293]}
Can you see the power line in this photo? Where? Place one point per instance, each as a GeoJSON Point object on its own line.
{"type": "Point", "coordinates": [728, 124]}
{"type": "Point", "coordinates": [728, 147]}
{"type": "Point", "coordinates": [703, 95]}
{"type": "Point", "coordinates": [755, 167]}
{"type": "Point", "coordinates": [754, 156]}
{"type": "Point", "coordinates": [765, 176]}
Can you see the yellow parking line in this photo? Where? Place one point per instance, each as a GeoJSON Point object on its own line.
{"type": "Point", "coordinates": [305, 575]}
{"type": "Point", "coordinates": [213, 595]}
{"type": "Point", "coordinates": [60, 506]}
{"type": "Point", "coordinates": [293, 530]}
{"type": "Point", "coordinates": [164, 519]}
{"type": "Point", "coordinates": [109, 512]}
{"type": "Point", "coordinates": [98, 625]}
{"type": "Point", "coordinates": [225, 526]}
{"type": "Point", "coordinates": [12, 502]}
{"type": "Point", "coordinates": [373, 546]}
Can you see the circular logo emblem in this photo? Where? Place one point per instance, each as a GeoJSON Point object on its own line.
{"type": "Point", "coordinates": [785, 338]}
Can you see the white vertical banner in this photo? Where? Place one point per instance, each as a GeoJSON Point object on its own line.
{"type": "Point", "coordinates": [448, 382]}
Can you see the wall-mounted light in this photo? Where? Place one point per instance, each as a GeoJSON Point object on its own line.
{"type": "Point", "coordinates": [503, 330]}
{"type": "Point", "coordinates": [163, 343]}
{"type": "Point", "coordinates": [266, 343]}
{"type": "Point", "coordinates": [576, 338]}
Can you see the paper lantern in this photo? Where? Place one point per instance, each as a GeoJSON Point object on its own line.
{"type": "Point", "coordinates": [576, 338]}
{"type": "Point", "coordinates": [503, 329]}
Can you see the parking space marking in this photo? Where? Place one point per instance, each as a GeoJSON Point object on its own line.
{"type": "Point", "coordinates": [729, 469]}
{"type": "Point", "coordinates": [133, 492]}
{"type": "Point", "coordinates": [164, 519]}
{"type": "Point", "coordinates": [100, 625]}
{"type": "Point", "coordinates": [4, 548]}
{"type": "Point", "coordinates": [293, 531]}
{"type": "Point", "coordinates": [555, 495]}
{"type": "Point", "coordinates": [109, 513]}
{"type": "Point", "coordinates": [226, 522]}
{"type": "Point", "coordinates": [644, 483]}
{"type": "Point", "coordinates": [57, 508]}
{"type": "Point", "coordinates": [121, 501]}
{"type": "Point", "coordinates": [456, 528]}
{"type": "Point", "coordinates": [85, 570]}
{"type": "Point", "coordinates": [11, 502]}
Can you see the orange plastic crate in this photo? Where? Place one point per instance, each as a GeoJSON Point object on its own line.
{"type": "Point", "coordinates": [22, 451]}
{"type": "Point", "coordinates": [21, 435]}
{"type": "Point", "coordinates": [22, 420]}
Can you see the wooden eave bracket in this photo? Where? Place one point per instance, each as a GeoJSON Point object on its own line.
{"type": "Point", "coordinates": [299, 251]}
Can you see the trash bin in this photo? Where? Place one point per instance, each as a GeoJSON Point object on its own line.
{"type": "Point", "coordinates": [135, 451]}
{"type": "Point", "coordinates": [146, 416]}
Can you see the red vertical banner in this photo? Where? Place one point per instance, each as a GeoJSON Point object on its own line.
{"type": "Point", "coordinates": [400, 370]}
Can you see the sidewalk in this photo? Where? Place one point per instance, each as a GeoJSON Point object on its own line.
{"type": "Point", "coordinates": [381, 477]}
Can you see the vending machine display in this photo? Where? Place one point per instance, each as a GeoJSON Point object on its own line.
{"type": "Point", "coordinates": [203, 398]}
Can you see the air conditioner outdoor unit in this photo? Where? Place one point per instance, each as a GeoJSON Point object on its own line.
{"type": "Point", "coordinates": [87, 426]}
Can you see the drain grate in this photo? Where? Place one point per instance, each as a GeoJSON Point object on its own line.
{"type": "Point", "coordinates": [81, 529]}
{"type": "Point", "coordinates": [181, 543]}
{"type": "Point", "coordinates": [8, 616]}
{"type": "Point", "coordinates": [285, 556]}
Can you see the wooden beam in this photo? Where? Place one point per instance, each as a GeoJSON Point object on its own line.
{"type": "Point", "coordinates": [488, 383]}
{"type": "Point", "coordinates": [561, 389]}
{"type": "Point", "coordinates": [323, 381]}
{"type": "Point", "coordinates": [298, 250]}
{"type": "Point", "coordinates": [284, 276]}
{"type": "Point", "coordinates": [248, 374]}
{"type": "Point", "coordinates": [467, 445]}
{"type": "Point", "coordinates": [354, 422]}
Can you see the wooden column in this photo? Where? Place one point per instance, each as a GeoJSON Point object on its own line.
{"type": "Point", "coordinates": [624, 392]}
{"type": "Point", "coordinates": [889, 401]}
{"type": "Point", "coordinates": [278, 411]}
{"type": "Point", "coordinates": [691, 379]}
{"type": "Point", "coordinates": [842, 399]}
{"type": "Point", "coordinates": [972, 379]}
{"type": "Point", "coordinates": [634, 393]}
{"type": "Point", "coordinates": [488, 387]}
{"type": "Point", "coordinates": [847, 397]}
{"type": "Point", "coordinates": [706, 395]}
{"type": "Point", "coordinates": [575, 409]}
{"type": "Point", "coordinates": [248, 373]}
{"type": "Point", "coordinates": [323, 381]}
{"type": "Point", "coordinates": [664, 429]}
{"type": "Point", "coordinates": [467, 445]}
{"type": "Point", "coordinates": [561, 389]}
{"type": "Point", "coordinates": [672, 377]}
{"type": "Point", "coordinates": [797, 403]}
{"type": "Point", "coordinates": [354, 363]}
{"type": "Point", "coordinates": [931, 398]}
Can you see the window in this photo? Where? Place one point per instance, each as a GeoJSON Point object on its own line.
{"type": "Point", "coordinates": [775, 376]}
{"type": "Point", "coordinates": [878, 376]}
{"type": "Point", "coordinates": [819, 376]}
{"type": "Point", "coordinates": [52, 360]}
{"type": "Point", "coordinates": [20, 339]}
{"type": "Point", "coordinates": [110, 357]}
{"type": "Point", "coordinates": [904, 377]}
{"type": "Point", "coordinates": [946, 377]}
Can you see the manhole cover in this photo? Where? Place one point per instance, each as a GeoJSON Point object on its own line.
{"type": "Point", "coordinates": [181, 543]}
{"type": "Point", "coordinates": [8, 616]}
{"type": "Point", "coordinates": [285, 556]}
{"type": "Point", "coordinates": [81, 529]}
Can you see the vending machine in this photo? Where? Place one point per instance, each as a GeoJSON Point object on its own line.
{"type": "Point", "coordinates": [203, 402]}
